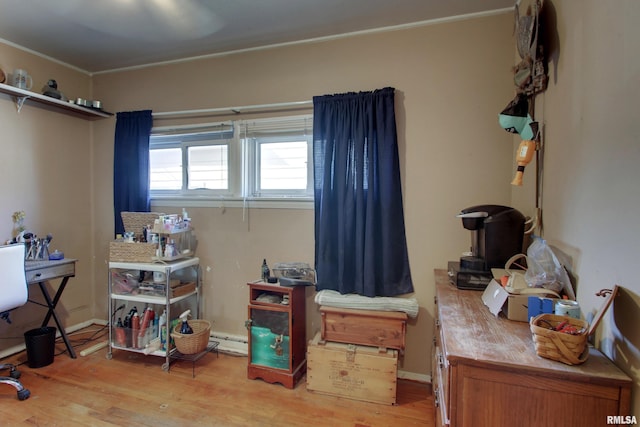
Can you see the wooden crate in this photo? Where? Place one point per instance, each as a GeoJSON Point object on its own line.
{"type": "Point", "coordinates": [384, 329]}
{"type": "Point", "coordinates": [352, 371]}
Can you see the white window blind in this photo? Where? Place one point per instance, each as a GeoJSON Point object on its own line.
{"type": "Point", "coordinates": [278, 126]}
{"type": "Point", "coordinates": [278, 156]}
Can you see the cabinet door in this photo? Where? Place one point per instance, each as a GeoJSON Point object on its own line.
{"type": "Point", "coordinates": [270, 337]}
{"type": "Point", "coordinates": [496, 397]}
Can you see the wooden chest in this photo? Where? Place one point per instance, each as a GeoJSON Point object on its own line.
{"type": "Point", "coordinates": [384, 329]}
{"type": "Point", "coordinates": [352, 371]}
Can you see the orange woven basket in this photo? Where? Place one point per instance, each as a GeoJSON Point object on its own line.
{"type": "Point", "coordinates": [550, 344]}
{"type": "Point", "coordinates": [567, 348]}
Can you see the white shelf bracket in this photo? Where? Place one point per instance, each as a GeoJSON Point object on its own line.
{"type": "Point", "coordinates": [20, 102]}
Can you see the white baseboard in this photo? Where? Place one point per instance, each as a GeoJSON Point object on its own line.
{"type": "Point", "coordinates": [412, 376]}
{"type": "Point", "coordinates": [236, 345]}
{"type": "Point", "coordinates": [71, 329]}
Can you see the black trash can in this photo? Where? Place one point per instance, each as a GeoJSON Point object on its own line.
{"type": "Point", "coordinates": [41, 344]}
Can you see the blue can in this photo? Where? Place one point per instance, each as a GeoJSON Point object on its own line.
{"type": "Point", "coordinates": [568, 308]}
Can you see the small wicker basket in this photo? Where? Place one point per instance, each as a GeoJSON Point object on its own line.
{"type": "Point", "coordinates": [195, 342]}
{"type": "Point", "coordinates": [135, 221]}
{"type": "Point", "coordinates": [132, 252]}
{"type": "Point", "coordinates": [551, 344]}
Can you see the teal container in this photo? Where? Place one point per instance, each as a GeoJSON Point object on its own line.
{"type": "Point", "coordinates": [266, 351]}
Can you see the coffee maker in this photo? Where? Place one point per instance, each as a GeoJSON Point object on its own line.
{"type": "Point", "coordinates": [497, 233]}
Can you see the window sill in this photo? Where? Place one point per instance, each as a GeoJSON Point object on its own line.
{"type": "Point", "coordinates": [229, 202]}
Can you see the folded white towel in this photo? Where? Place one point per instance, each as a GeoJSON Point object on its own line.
{"type": "Point", "coordinates": [336, 299]}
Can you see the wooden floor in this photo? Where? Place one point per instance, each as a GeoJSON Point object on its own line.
{"type": "Point", "coordinates": [132, 390]}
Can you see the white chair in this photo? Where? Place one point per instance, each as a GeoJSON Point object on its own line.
{"type": "Point", "coordinates": [13, 283]}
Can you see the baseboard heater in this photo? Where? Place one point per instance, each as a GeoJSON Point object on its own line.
{"type": "Point", "coordinates": [237, 345]}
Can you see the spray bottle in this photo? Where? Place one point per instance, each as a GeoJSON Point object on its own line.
{"type": "Point", "coordinates": [185, 328]}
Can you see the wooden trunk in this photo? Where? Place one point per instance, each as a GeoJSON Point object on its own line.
{"type": "Point", "coordinates": [384, 329]}
{"type": "Point", "coordinates": [352, 371]}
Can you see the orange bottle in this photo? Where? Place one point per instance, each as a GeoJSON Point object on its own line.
{"type": "Point", "coordinates": [523, 157]}
{"type": "Point", "coordinates": [135, 326]}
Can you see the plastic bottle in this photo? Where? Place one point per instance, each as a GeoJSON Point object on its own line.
{"type": "Point", "coordinates": [154, 329]}
{"type": "Point", "coordinates": [162, 329]}
{"type": "Point", "coordinates": [185, 328]}
{"type": "Point", "coordinates": [168, 250]}
{"type": "Point", "coordinates": [265, 271]}
{"type": "Point", "coordinates": [120, 333]}
{"type": "Point", "coordinates": [145, 323]}
{"type": "Point", "coordinates": [525, 153]}
{"type": "Point", "coordinates": [135, 326]}
{"type": "Point", "coordinates": [162, 320]}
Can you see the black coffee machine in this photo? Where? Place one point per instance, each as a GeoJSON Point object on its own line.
{"type": "Point", "coordinates": [497, 233]}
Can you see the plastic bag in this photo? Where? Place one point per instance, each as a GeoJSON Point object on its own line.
{"type": "Point", "coordinates": [543, 269]}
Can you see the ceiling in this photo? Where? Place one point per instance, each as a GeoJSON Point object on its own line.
{"type": "Point", "coordinates": [96, 36]}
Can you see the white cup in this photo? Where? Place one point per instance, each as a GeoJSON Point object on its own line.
{"type": "Point", "coordinates": [21, 79]}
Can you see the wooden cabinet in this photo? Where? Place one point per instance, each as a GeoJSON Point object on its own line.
{"type": "Point", "coordinates": [277, 337]}
{"type": "Point", "coordinates": [485, 372]}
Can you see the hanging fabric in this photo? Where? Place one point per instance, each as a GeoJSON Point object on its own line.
{"type": "Point", "coordinates": [131, 164]}
{"type": "Point", "coordinates": [360, 243]}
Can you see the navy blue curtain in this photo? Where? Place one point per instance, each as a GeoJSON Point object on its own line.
{"type": "Point", "coordinates": [131, 164]}
{"type": "Point", "coordinates": [360, 243]}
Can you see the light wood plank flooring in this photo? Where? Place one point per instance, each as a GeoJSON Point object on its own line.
{"type": "Point", "coordinates": [132, 390]}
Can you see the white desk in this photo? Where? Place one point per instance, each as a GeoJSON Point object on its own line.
{"type": "Point", "coordinates": [40, 271]}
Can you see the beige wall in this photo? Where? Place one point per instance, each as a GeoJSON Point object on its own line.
{"type": "Point", "coordinates": [451, 80]}
{"type": "Point", "coordinates": [46, 171]}
{"type": "Point", "coordinates": [590, 192]}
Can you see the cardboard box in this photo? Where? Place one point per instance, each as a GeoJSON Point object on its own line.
{"type": "Point", "coordinates": [352, 371]}
{"type": "Point", "coordinates": [515, 307]}
{"type": "Point", "coordinates": [384, 329]}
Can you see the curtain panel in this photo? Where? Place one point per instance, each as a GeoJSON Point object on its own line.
{"type": "Point", "coordinates": [360, 242]}
{"type": "Point", "coordinates": [131, 164]}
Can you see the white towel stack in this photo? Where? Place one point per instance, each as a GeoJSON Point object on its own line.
{"type": "Point", "coordinates": [336, 299]}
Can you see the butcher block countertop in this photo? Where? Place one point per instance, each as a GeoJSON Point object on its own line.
{"type": "Point", "coordinates": [470, 333]}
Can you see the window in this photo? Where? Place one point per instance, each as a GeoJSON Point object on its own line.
{"type": "Point", "coordinates": [283, 165]}
{"type": "Point", "coordinates": [278, 153]}
{"type": "Point", "coordinates": [196, 162]}
{"type": "Point", "coordinates": [208, 167]}
{"type": "Point", "coordinates": [256, 159]}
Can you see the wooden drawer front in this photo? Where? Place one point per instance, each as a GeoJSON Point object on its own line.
{"type": "Point", "coordinates": [501, 398]}
{"type": "Point", "coordinates": [384, 329]}
{"type": "Point", "coordinates": [46, 273]}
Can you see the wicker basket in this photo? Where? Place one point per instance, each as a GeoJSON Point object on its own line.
{"type": "Point", "coordinates": [131, 252]}
{"type": "Point", "coordinates": [195, 342]}
{"type": "Point", "coordinates": [136, 221]}
{"type": "Point", "coordinates": [551, 344]}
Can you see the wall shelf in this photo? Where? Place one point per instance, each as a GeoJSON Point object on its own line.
{"type": "Point", "coordinates": [21, 95]}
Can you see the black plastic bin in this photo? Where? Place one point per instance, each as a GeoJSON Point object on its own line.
{"type": "Point", "coordinates": [41, 346]}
